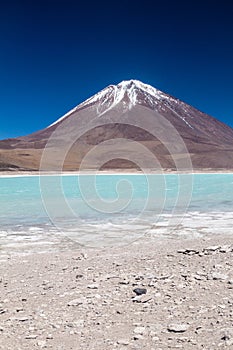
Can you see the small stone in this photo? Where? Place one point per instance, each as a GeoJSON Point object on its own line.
{"type": "Point", "coordinates": [139, 330]}
{"type": "Point", "coordinates": [165, 277]}
{"type": "Point", "coordinates": [123, 342]}
{"type": "Point", "coordinates": [228, 337]}
{"type": "Point", "coordinates": [42, 344]}
{"type": "Point", "coordinates": [23, 319]}
{"type": "Point", "coordinates": [18, 309]}
{"type": "Point", "coordinates": [155, 339]}
{"type": "Point", "coordinates": [188, 251]}
{"type": "Point", "coordinates": [76, 302]}
{"type": "Point", "coordinates": [56, 326]}
{"type": "Point", "coordinates": [212, 248]}
{"type": "Point", "coordinates": [198, 277]}
{"type": "Point", "coordinates": [49, 336]}
{"type": "Point", "coordinates": [140, 291]}
{"type": "Point", "coordinates": [124, 282]}
{"type": "Point", "coordinates": [225, 249]}
{"type": "Point", "coordinates": [93, 286]}
{"type": "Point", "coordinates": [84, 255]}
{"type": "Point", "coordinates": [31, 336]}
{"type": "Point", "coordinates": [177, 328]}
{"type": "Point", "coordinates": [45, 282]}
{"type": "Point", "coordinates": [141, 299]}
{"type": "Point", "coordinates": [219, 276]}
{"type": "Point", "coordinates": [138, 337]}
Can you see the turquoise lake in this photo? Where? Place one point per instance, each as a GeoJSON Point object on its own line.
{"type": "Point", "coordinates": [44, 212]}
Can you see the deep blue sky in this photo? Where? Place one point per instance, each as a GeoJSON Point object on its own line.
{"type": "Point", "coordinates": [55, 54]}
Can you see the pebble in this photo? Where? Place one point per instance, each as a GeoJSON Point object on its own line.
{"type": "Point", "coordinates": [138, 337]}
{"type": "Point", "coordinates": [84, 255]}
{"type": "Point", "coordinates": [155, 339]}
{"type": "Point", "coordinates": [49, 336]}
{"type": "Point", "coordinates": [123, 342]}
{"type": "Point", "coordinates": [31, 336]}
{"type": "Point", "coordinates": [139, 330]}
{"type": "Point", "coordinates": [23, 319]}
{"type": "Point", "coordinates": [93, 286]}
{"type": "Point", "coordinates": [42, 344]}
{"type": "Point", "coordinates": [177, 327]}
{"type": "Point", "coordinates": [76, 302]}
{"type": "Point", "coordinates": [225, 249]}
{"type": "Point", "coordinates": [212, 248]}
{"type": "Point", "coordinates": [219, 276]}
{"type": "Point", "coordinates": [188, 251]}
{"type": "Point", "coordinates": [140, 291]}
{"type": "Point", "coordinates": [142, 298]}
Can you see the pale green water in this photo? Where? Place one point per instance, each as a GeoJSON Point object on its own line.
{"type": "Point", "coordinates": [111, 209]}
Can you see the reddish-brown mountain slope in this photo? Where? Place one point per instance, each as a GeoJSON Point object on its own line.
{"type": "Point", "coordinates": [123, 125]}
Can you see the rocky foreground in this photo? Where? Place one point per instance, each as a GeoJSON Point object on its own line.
{"type": "Point", "coordinates": [153, 294]}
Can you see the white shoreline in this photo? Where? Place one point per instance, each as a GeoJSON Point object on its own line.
{"type": "Point", "coordinates": [118, 173]}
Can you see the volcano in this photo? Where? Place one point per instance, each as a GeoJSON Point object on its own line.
{"type": "Point", "coordinates": [124, 126]}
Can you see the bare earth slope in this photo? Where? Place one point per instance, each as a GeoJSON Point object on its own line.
{"type": "Point", "coordinates": [171, 129]}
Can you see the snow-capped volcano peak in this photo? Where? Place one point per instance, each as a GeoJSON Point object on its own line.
{"type": "Point", "coordinates": [137, 84]}
{"type": "Point", "coordinates": [127, 88]}
{"type": "Point", "coordinates": [135, 88]}
{"type": "Point", "coordinates": [130, 92]}
{"type": "Point", "coordinates": [129, 110]}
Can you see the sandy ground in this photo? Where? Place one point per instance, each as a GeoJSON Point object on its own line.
{"type": "Point", "coordinates": [87, 299]}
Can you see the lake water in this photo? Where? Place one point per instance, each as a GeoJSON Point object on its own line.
{"type": "Point", "coordinates": [58, 212]}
